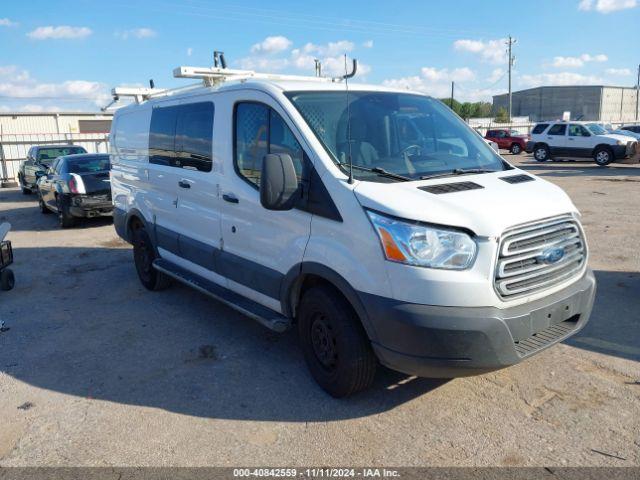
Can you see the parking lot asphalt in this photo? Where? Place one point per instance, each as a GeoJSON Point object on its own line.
{"type": "Point", "coordinates": [95, 370]}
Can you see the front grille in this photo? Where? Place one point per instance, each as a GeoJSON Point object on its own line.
{"type": "Point", "coordinates": [539, 255]}
{"type": "Point", "coordinates": [543, 338]}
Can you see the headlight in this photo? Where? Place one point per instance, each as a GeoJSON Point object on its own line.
{"type": "Point", "coordinates": [421, 245]}
{"type": "Point", "coordinates": [620, 142]}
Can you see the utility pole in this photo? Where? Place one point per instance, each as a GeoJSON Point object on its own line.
{"type": "Point", "coordinates": [637, 92]}
{"type": "Point", "coordinates": [511, 60]}
{"type": "Point", "coordinates": [451, 104]}
{"type": "Point", "coordinates": [318, 67]}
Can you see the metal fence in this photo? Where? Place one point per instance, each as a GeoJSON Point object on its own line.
{"type": "Point", "coordinates": [14, 147]}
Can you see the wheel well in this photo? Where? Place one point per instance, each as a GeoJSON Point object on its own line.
{"type": "Point", "coordinates": [602, 146]}
{"type": "Point", "coordinates": [540, 144]}
{"type": "Point", "coordinates": [134, 223]}
{"type": "Point", "coordinates": [306, 282]}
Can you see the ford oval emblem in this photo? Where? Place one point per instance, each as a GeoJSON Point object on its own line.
{"type": "Point", "coordinates": [551, 255]}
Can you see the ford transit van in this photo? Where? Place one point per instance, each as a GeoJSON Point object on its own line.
{"type": "Point", "coordinates": [372, 220]}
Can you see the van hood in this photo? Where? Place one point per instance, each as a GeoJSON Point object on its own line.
{"type": "Point", "coordinates": [487, 211]}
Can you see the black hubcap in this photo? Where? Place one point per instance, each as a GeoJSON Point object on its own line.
{"type": "Point", "coordinates": [324, 342]}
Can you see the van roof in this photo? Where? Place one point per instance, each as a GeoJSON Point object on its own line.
{"type": "Point", "coordinates": [269, 86]}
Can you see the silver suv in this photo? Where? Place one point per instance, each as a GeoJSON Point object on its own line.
{"type": "Point", "coordinates": [578, 139]}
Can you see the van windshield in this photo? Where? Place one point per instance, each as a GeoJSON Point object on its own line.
{"type": "Point", "coordinates": [409, 135]}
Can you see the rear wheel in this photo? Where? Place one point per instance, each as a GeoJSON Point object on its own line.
{"type": "Point", "coordinates": [65, 219]}
{"type": "Point", "coordinates": [541, 153]}
{"type": "Point", "coordinates": [143, 256]}
{"type": "Point", "coordinates": [603, 156]}
{"type": "Point", "coordinates": [7, 280]}
{"type": "Point", "coordinates": [516, 149]}
{"type": "Point", "coordinates": [335, 345]}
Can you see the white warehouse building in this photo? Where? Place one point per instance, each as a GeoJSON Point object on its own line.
{"type": "Point", "coordinates": [19, 131]}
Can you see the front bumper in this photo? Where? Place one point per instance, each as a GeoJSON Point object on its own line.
{"type": "Point", "coordinates": [624, 151]}
{"type": "Point", "coordinates": [448, 342]}
{"type": "Point", "coordinates": [528, 147]}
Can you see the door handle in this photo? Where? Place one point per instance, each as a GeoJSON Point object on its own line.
{"type": "Point", "coordinates": [184, 184]}
{"type": "Point", "coordinates": [230, 197]}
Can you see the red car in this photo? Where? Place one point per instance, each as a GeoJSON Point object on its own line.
{"type": "Point", "coordinates": [508, 139]}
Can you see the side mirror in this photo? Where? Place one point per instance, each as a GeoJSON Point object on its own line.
{"type": "Point", "coordinates": [278, 182]}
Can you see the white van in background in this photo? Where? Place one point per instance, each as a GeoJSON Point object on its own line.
{"type": "Point", "coordinates": [373, 219]}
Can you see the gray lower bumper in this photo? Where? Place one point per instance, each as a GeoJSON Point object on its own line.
{"type": "Point", "coordinates": [449, 342]}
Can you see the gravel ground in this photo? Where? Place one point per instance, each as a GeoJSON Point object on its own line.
{"type": "Point", "coordinates": [95, 370]}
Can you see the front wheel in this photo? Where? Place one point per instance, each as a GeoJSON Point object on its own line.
{"type": "Point", "coordinates": [541, 153]}
{"type": "Point", "coordinates": [143, 256]}
{"type": "Point", "coordinates": [7, 280]}
{"type": "Point", "coordinates": [335, 346]}
{"type": "Point", "coordinates": [603, 156]}
{"type": "Point", "coordinates": [42, 205]}
{"type": "Point", "coordinates": [516, 149]}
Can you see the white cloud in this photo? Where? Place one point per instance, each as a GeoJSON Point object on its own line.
{"type": "Point", "coordinates": [143, 32]}
{"type": "Point", "coordinates": [562, 78]}
{"type": "Point", "coordinates": [271, 45]}
{"type": "Point", "coordinates": [330, 49]}
{"type": "Point", "coordinates": [274, 54]}
{"type": "Point", "coordinates": [437, 83]}
{"type": "Point", "coordinates": [577, 62]}
{"type": "Point", "coordinates": [368, 44]}
{"type": "Point", "coordinates": [62, 31]}
{"type": "Point", "coordinates": [491, 51]}
{"type": "Point", "coordinates": [5, 22]}
{"type": "Point", "coordinates": [621, 72]}
{"type": "Point", "coordinates": [19, 85]}
{"type": "Point", "coordinates": [496, 74]}
{"type": "Point", "coordinates": [189, 51]}
{"type": "Point", "coordinates": [607, 6]}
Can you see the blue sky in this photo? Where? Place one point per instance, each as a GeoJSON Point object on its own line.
{"type": "Point", "coordinates": [66, 55]}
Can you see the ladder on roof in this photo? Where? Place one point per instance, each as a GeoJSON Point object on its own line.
{"type": "Point", "coordinates": [214, 77]}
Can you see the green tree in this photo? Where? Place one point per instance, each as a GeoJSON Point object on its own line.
{"type": "Point", "coordinates": [501, 115]}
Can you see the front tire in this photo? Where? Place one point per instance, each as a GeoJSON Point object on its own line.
{"type": "Point", "coordinates": [7, 279]}
{"type": "Point", "coordinates": [335, 346]}
{"type": "Point", "coordinates": [143, 256]}
{"type": "Point", "coordinates": [603, 156]}
{"type": "Point", "coordinates": [25, 190]}
{"type": "Point", "coordinates": [515, 149]}
{"type": "Point", "coordinates": [42, 205]}
{"type": "Point", "coordinates": [541, 153]}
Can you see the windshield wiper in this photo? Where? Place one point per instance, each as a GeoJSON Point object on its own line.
{"type": "Point", "coordinates": [379, 171]}
{"type": "Point", "coordinates": [458, 171]}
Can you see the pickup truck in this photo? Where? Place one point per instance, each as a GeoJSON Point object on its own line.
{"type": "Point", "coordinates": [39, 159]}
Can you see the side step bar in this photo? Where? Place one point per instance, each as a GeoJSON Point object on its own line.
{"type": "Point", "coordinates": [267, 317]}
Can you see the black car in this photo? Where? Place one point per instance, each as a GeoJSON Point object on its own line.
{"type": "Point", "coordinates": [39, 159]}
{"type": "Point", "coordinates": [76, 186]}
{"type": "Point", "coordinates": [631, 128]}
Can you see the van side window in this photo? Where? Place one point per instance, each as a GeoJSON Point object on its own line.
{"type": "Point", "coordinates": [259, 130]}
{"type": "Point", "coordinates": [194, 132]}
{"type": "Point", "coordinates": [162, 135]}
{"type": "Point", "coordinates": [181, 136]}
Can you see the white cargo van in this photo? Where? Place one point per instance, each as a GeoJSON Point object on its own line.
{"type": "Point", "coordinates": [373, 219]}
